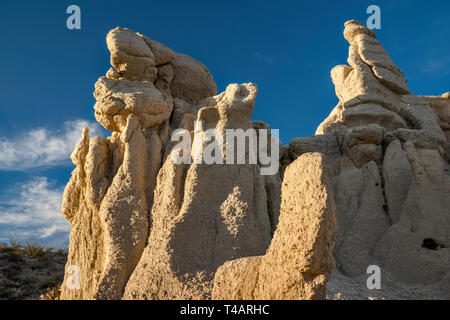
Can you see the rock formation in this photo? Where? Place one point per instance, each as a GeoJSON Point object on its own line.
{"type": "Point", "coordinates": [144, 227]}
{"type": "Point", "coordinates": [299, 261]}
{"type": "Point", "coordinates": [370, 188]}
{"type": "Point", "coordinates": [391, 168]}
{"type": "Point", "coordinates": [213, 214]}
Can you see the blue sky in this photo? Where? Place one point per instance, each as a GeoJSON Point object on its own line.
{"type": "Point", "coordinates": [286, 47]}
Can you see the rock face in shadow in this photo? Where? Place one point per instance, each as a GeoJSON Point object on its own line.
{"type": "Point", "coordinates": [370, 188]}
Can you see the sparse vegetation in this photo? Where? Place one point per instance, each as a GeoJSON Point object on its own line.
{"type": "Point", "coordinates": [30, 271]}
{"type": "Point", "coordinates": [33, 249]}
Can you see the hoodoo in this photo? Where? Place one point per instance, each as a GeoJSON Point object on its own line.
{"type": "Point", "coordinates": [370, 188]}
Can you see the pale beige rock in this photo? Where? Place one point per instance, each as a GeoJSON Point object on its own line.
{"type": "Point", "coordinates": [299, 260]}
{"type": "Point", "coordinates": [327, 144]}
{"type": "Point", "coordinates": [373, 90]}
{"type": "Point", "coordinates": [333, 122]}
{"type": "Point", "coordinates": [113, 74]}
{"type": "Point", "coordinates": [117, 99]}
{"type": "Point", "coordinates": [126, 40]}
{"type": "Point", "coordinates": [218, 208]}
{"type": "Point", "coordinates": [105, 252]}
{"type": "Point", "coordinates": [191, 80]}
{"type": "Point", "coordinates": [87, 251]}
{"type": "Point", "coordinates": [371, 113]}
{"type": "Point", "coordinates": [418, 112]}
{"type": "Point", "coordinates": [341, 287]}
{"type": "Point", "coordinates": [353, 28]}
{"type": "Point", "coordinates": [145, 228]}
{"type": "Point", "coordinates": [362, 144]}
{"type": "Point", "coordinates": [371, 133]}
{"type": "Point", "coordinates": [416, 248]}
{"type": "Point", "coordinates": [183, 112]}
{"type": "Point", "coordinates": [165, 76]}
{"type": "Point", "coordinates": [422, 139]}
{"type": "Point", "coordinates": [362, 218]}
{"type": "Point", "coordinates": [392, 180]}
{"type": "Point", "coordinates": [96, 169]}
{"type": "Point", "coordinates": [391, 80]}
{"type": "Point", "coordinates": [110, 194]}
{"type": "Point", "coordinates": [156, 140]}
{"type": "Point", "coordinates": [162, 54]}
{"type": "Point", "coordinates": [360, 86]}
{"type": "Point", "coordinates": [373, 54]}
{"type": "Point", "coordinates": [72, 191]}
{"type": "Point", "coordinates": [364, 153]}
{"type": "Point", "coordinates": [440, 106]}
{"type": "Point", "coordinates": [126, 192]}
{"type": "Point", "coordinates": [397, 178]}
{"type": "Point", "coordinates": [125, 204]}
{"type": "Point", "coordinates": [272, 183]}
{"type": "Point", "coordinates": [130, 55]}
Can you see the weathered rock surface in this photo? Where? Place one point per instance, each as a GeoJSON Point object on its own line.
{"type": "Point", "coordinates": [118, 99]}
{"type": "Point", "coordinates": [299, 261]}
{"type": "Point", "coordinates": [142, 226]}
{"type": "Point", "coordinates": [109, 198]}
{"type": "Point", "coordinates": [130, 55]}
{"type": "Point", "coordinates": [191, 80]}
{"type": "Point", "coordinates": [440, 106]}
{"type": "Point", "coordinates": [372, 90]}
{"type": "Point", "coordinates": [220, 213]}
{"type": "Point", "coordinates": [392, 176]}
{"type": "Point", "coordinates": [370, 188]}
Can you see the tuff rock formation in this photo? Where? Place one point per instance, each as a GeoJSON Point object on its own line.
{"type": "Point", "coordinates": [299, 260]}
{"type": "Point", "coordinates": [390, 152]}
{"type": "Point", "coordinates": [370, 188]}
{"type": "Point", "coordinates": [144, 227]}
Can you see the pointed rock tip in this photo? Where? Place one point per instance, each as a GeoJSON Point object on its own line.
{"type": "Point", "coordinates": [85, 132]}
{"type": "Point", "coordinates": [349, 22]}
{"type": "Point", "coordinates": [353, 28]}
{"type": "Point", "coordinates": [114, 29]}
{"type": "Point", "coordinates": [132, 125]}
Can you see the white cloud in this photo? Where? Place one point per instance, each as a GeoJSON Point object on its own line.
{"type": "Point", "coordinates": [41, 147]}
{"type": "Point", "coordinates": [33, 211]}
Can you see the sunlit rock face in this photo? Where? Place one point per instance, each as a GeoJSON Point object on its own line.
{"type": "Point", "coordinates": [391, 171]}
{"type": "Point", "coordinates": [370, 188]}
{"type": "Point", "coordinates": [144, 227]}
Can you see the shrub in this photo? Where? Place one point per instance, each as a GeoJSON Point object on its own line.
{"type": "Point", "coordinates": [33, 249]}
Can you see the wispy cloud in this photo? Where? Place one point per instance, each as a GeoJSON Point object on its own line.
{"type": "Point", "coordinates": [263, 58]}
{"type": "Point", "coordinates": [271, 61]}
{"type": "Point", "coordinates": [41, 147]}
{"type": "Point", "coordinates": [437, 66]}
{"type": "Point", "coordinates": [33, 211]}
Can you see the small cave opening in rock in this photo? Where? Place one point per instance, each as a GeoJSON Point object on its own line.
{"type": "Point", "coordinates": [431, 244]}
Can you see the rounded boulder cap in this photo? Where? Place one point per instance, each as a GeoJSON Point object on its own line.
{"type": "Point", "coordinates": [353, 27]}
